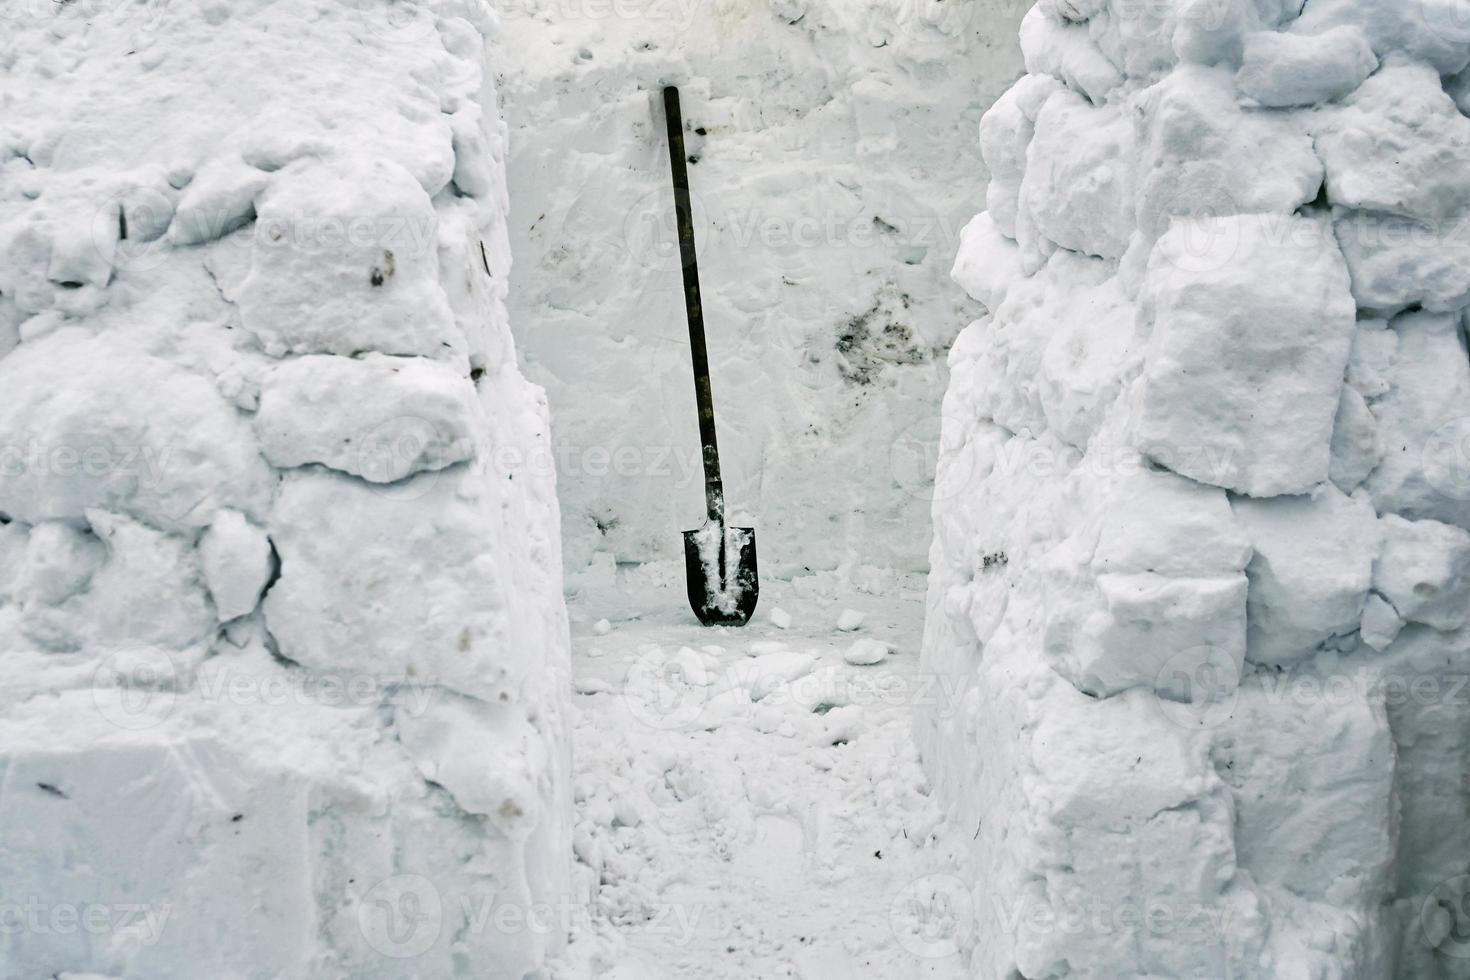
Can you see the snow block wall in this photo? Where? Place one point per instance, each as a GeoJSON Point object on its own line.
{"type": "Point", "coordinates": [1201, 565]}
{"type": "Point", "coordinates": [832, 170]}
{"type": "Point", "coordinates": [281, 625]}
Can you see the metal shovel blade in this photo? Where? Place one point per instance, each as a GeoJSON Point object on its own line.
{"type": "Point", "coordinates": [719, 566]}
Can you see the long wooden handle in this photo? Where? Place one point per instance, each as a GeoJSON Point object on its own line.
{"type": "Point", "coordinates": [714, 491]}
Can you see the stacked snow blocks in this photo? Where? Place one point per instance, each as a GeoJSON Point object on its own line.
{"type": "Point", "coordinates": [1201, 569]}
{"type": "Point", "coordinates": [281, 625]}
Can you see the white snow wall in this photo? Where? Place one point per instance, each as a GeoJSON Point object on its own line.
{"type": "Point", "coordinates": [281, 625]}
{"type": "Point", "coordinates": [1201, 565]}
{"type": "Point", "coordinates": [834, 170]}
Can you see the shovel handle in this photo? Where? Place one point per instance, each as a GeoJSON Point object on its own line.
{"type": "Point", "coordinates": [714, 491]}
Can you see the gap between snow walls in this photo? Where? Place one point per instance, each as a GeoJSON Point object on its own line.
{"type": "Point", "coordinates": [1202, 524]}
{"type": "Point", "coordinates": [833, 163]}
{"type": "Point", "coordinates": [285, 650]}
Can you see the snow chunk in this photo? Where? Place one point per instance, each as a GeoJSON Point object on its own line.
{"type": "Point", "coordinates": [866, 652]}
{"type": "Point", "coordinates": [1311, 571]}
{"type": "Point", "coordinates": [1210, 32]}
{"type": "Point", "coordinates": [1135, 37]}
{"type": "Point", "coordinates": [1424, 570]}
{"type": "Point", "coordinates": [123, 587]}
{"type": "Point", "coordinates": [24, 254]}
{"type": "Point", "coordinates": [1370, 366]}
{"type": "Point", "coordinates": [346, 260]}
{"type": "Point", "coordinates": [1292, 69]}
{"type": "Point", "coordinates": [1397, 262]}
{"type": "Point", "coordinates": [1149, 628]}
{"type": "Point", "coordinates": [1423, 423]}
{"type": "Point", "coordinates": [1065, 51]}
{"type": "Point", "coordinates": [1252, 327]}
{"type": "Point", "coordinates": [1006, 130]}
{"type": "Point", "coordinates": [1458, 89]}
{"type": "Point", "coordinates": [448, 744]}
{"type": "Point", "coordinates": [60, 560]}
{"type": "Point", "coordinates": [151, 591]}
{"type": "Point", "coordinates": [93, 422]}
{"type": "Point", "coordinates": [1356, 449]}
{"type": "Point", "coordinates": [780, 618]}
{"type": "Point", "coordinates": [81, 252]}
{"type": "Point", "coordinates": [10, 320]}
{"type": "Point", "coordinates": [381, 418]}
{"type": "Point", "coordinates": [1089, 353]}
{"type": "Point", "coordinates": [842, 724]}
{"type": "Point", "coordinates": [1436, 31]}
{"type": "Point", "coordinates": [237, 563]}
{"type": "Point", "coordinates": [13, 539]}
{"type": "Point", "coordinates": [1202, 155]}
{"type": "Point", "coordinates": [987, 262]}
{"type": "Point", "coordinates": [1149, 587]}
{"type": "Point", "coordinates": [849, 620]}
{"type": "Point", "coordinates": [1399, 145]}
{"type": "Point", "coordinates": [219, 199]}
{"type": "Point", "coordinates": [1163, 523]}
{"type": "Point", "coordinates": [393, 582]}
{"type": "Point", "coordinates": [1077, 191]}
{"type": "Point", "coordinates": [1147, 39]}
{"type": "Point", "coordinates": [156, 819]}
{"type": "Point", "coordinates": [217, 798]}
{"type": "Point", "coordinates": [1109, 796]}
{"type": "Point", "coordinates": [476, 171]}
{"type": "Point", "coordinates": [1311, 770]}
{"type": "Point", "coordinates": [1002, 358]}
{"type": "Point", "coordinates": [760, 676]}
{"type": "Point", "coordinates": [60, 240]}
{"type": "Point", "coordinates": [1423, 675]}
{"type": "Point", "coordinates": [1381, 623]}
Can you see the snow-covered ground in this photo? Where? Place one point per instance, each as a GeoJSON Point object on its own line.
{"type": "Point", "coordinates": [750, 803]}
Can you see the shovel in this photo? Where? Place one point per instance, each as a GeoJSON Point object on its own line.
{"type": "Point", "coordinates": [719, 561]}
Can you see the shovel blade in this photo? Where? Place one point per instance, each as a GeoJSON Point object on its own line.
{"type": "Point", "coordinates": [721, 573]}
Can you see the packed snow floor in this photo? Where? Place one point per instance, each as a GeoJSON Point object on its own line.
{"type": "Point", "coordinates": [749, 801]}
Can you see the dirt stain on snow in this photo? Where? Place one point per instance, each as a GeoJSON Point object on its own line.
{"type": "Point", "coordinates": [877, 339]}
